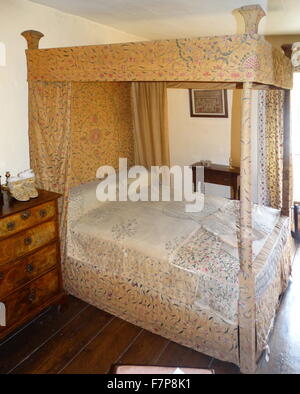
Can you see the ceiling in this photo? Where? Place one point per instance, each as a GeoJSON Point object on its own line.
{"type": "Point", "coordinates": [159, 19]}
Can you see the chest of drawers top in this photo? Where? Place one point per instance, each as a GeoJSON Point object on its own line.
{"type": "Point", "coordinates": [18, 216]}
{"type": "Point", "coordinates": [10, 206]}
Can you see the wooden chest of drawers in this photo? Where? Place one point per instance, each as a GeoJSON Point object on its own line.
{"type": "Point", "coordinates": [30, 275]}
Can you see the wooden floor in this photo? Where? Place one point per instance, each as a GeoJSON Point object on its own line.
{"type": "Point", "coordinates": [83, 339]}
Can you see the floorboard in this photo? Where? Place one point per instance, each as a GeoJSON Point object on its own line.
{"type": "Point", "coordinates": [25, 342]}
{"type": "Point", "coordinates": [222, 368]}
{"type": "Point", "coordinates": [145, 350]}
{"type": "Point", "coordinates": [176, 355]}
{"type": "Point", "coordinates": [104, 350]}
{"type": "Point", "coordinates": [63, 346]}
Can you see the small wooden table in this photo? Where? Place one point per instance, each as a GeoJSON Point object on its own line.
{"type": "Point", "coordinates": [220, 175]}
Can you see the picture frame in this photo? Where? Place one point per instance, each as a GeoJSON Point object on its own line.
{"type": "Point", "coordinates": [208, 103]}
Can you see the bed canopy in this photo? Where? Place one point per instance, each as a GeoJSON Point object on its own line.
{"type": "Point", "coordinates": [62, 82]}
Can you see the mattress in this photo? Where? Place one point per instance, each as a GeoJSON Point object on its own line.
{"type": "Point", "coordinates": [191, 258]}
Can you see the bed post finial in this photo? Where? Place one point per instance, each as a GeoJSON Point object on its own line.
{"type": "Point", "coordinates": [33, 38]}
{"type": "Point", "coordinates": [251, 14]}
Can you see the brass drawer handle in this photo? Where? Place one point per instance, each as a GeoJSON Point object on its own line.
{"type": "Point", "coordinates": [43, 213]}
{"type": "Point", "coordinates": [28, 241]}
{"type": "Point", "coordinates": [25, 215]}
{"type": "Point", "coordinates": [11, 226]}
{"type": "Point", "coordinates": [29, 267]}
{"type": "Point", "coordinates": [1, 275]}
{"type": "Point", "coordinates": [32, 296]}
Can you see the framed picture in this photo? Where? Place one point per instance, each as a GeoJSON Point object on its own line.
{"type": "Point", "coordinates": [208, 103]}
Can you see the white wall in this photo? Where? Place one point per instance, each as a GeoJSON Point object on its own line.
{"type": "Point", "coordinates": [295, 123]}
{"type": "Point", "coordinates": [193, 139]}
{"type": "Point", "coordinates": [60, 29]}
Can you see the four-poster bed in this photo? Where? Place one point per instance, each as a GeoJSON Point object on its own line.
{"type": "Point", "coordinates": [64, 83]}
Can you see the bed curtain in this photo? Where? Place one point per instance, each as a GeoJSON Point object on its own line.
{"type": "Point", "coordinates": [270, 147]}
{"type": "Point", "coordinates": [150, 115]}
{"type": "Point", "coordinates": [50, 139]}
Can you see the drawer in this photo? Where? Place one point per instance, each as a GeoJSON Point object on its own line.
{"type": "Point", "coordinates": [16, 274]}
{"type": "Point", "coordinates": [27, 241]}
{"type": "Point", "coordinates": [25, 300]}
{"type": "Point", "coordinates": [21, 221]}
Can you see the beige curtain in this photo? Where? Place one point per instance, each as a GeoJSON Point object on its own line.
{"type": "Point", "coordinates": [149, 102]}
{"type": "Point", "coordinates": [270, 147]}
{"type": "Point", "coordinates": [50, 139]}
{"type": "Point", "coordinates": [236, 122]}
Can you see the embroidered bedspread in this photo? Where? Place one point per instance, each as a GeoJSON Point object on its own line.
{"type": "Point", "coordinates": [191, 258]}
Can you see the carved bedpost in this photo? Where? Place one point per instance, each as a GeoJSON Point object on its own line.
{"type": "Point", "coordinates": [251, 14]}
{"type": "Point", "coordinates": [246, 278]}
{"type": "Point", "coordinates": [33, 38]}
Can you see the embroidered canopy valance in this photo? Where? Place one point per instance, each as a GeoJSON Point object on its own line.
{"type": "Point", "coordinates": [234, 58]}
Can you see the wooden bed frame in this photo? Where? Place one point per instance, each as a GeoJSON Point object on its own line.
{"type": "Point", "coordinates": [244, 61]}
